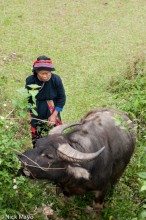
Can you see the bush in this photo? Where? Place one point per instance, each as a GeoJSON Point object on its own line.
{"type": "Point", "coordinates": [129, 91]}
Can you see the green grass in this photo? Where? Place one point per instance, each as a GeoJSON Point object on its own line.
{"type": "Point", "coordinates": [92, 43]}
{"type": "Point", "coordinates": [89, 41]}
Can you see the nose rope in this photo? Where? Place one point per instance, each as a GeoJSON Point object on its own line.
{"type": "Point", "coordinates": [26, 164]}
{"type": "Point", "coordinates": [37, 165]}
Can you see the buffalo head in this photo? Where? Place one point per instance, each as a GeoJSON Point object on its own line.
{"type": "Point", "coordinates": [53, 157]}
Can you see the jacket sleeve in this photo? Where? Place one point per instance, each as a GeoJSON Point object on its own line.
{"type": "Point", "coordinates": [61, 97]}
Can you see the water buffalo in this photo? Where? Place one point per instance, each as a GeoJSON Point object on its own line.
{"type": "Point", "coordinates": [89, 157]}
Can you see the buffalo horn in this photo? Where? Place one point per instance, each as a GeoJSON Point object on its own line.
{"type": "Point", "coordinates": [59, 129]}
{"type": "Point", "coordinates": [68, 153]}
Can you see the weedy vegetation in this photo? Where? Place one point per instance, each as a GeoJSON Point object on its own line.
{"type": "Point", "coordinates": [98, 50]}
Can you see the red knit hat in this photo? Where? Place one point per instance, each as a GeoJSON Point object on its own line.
{"type": "Point", "coordinates": [43, 63]}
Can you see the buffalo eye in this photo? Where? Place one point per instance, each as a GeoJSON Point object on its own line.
{"type": "Point", "coordinates": [50, 156]}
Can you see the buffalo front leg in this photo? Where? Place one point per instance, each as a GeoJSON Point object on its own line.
{"type": "Point", "coordinates": [98, 203]}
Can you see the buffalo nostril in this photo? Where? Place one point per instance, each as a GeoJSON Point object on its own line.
{"type": "Point", "coordinates": [26, 171]}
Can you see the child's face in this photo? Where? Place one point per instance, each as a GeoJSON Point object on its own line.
{"type": "Point", "coordinates": [44, 75]}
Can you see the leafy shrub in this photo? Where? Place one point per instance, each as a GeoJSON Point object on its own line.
{"type": "Point", "coordinates": [19, 195]}
{"type": "Point", "coordinates": [129, 91]}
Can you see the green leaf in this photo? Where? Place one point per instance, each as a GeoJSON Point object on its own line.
{"type": "Point", "coordinates": [29, 195]}
{"type": "Point", "coordinates": [144, 206]}
{"type": "Point", "coordinates": [23, 92]}
{"type": "Point", "coordinates": [23, 114]}
{"type": "Point", "coordinates": [143, 215]}
{"type": "Point", "coordinates": [33, 92]}
{"type": "Point", "coordinates": [142, 175]}
{"type": "Point", "coordinates": [34, 112]}
{"type": "Point", "coordinates": [143, 187]}
{"type": "Point", "coordinates": [34, 86]}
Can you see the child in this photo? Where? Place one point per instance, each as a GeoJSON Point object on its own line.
{"type": "Point", "coordinates": [50, 98]}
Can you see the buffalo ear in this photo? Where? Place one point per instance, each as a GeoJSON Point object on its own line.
{"type": "Point", "coordinates": [78, 172]}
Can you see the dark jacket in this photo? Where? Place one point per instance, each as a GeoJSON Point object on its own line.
{"type": "Point", "coordinates": [51, 90]}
